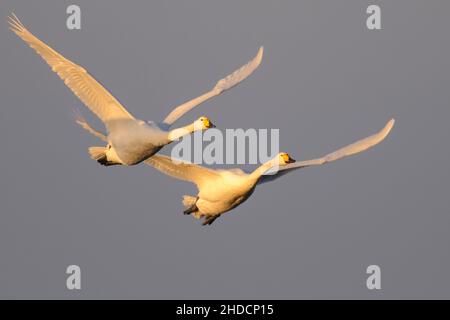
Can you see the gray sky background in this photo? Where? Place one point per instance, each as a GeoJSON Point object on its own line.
{"type": "Point", "coordinates": [325, 81]}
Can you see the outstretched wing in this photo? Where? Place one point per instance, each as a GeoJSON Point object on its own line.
{"type": "Point", "coordinates": [182, 170]}
{"type": "Point", "coordinates": [346, 151]}
{"type": "Point", "coordinates": [82, 84]}
{"type": "Point", "coordinates": [222, 85]}
{"type": "Point", "coordinates": [81, 121]}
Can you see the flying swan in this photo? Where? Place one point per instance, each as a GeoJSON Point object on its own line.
{"type": "Point", "coordinates": [223, 190]}
{"type": "Point", "coordinates": [129, 140]}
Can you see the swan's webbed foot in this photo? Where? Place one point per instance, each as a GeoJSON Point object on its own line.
{"type": "Point", "coordinates": [192, 208]}
{"type": "Point", "coordinates": [209, 220]}
{"type": "Point", "coordinates": [104, 162]}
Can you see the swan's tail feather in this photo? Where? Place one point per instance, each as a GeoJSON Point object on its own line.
{"type": "Point", "coordinates": [99, 154]}
{"type": "Point", "coordinates": [189, 201]}
{"type": "Point", "coordinates": [197, 215]}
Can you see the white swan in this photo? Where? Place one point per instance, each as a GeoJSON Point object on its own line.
{"type": "Point", "coordinates": [130, 140]}
{"type": "Point", "coordinates": [222, 190]}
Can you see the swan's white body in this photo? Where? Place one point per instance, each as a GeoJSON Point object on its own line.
{"type": "Point", "coordinates": [219, 194]}
{"type": "Point", "coordinates": [130, 140]}
{"type": "Point", "coordinates": [222, 190]}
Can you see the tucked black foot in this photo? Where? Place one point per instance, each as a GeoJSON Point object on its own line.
{"type": "Point", "coordinates": [104, 162]}
{"type": "Point", "coordinates": [190, 210]}
{"type": "Point", "coordinates": [209, 220]}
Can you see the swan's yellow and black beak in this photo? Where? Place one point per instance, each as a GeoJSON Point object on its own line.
{"type": "Point", "coordinates": [287, 158]}
{"type": "Point", "coordinates": [207, 123]}
{"type": "Point", "coordinates": [211, 125]}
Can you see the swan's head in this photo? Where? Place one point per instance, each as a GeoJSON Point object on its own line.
{"type": "Point", "coordinates": [284, 159]}
{"type": "Point", "coordinates": [203, 123]}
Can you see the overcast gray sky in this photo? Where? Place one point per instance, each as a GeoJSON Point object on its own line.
{"type": "Point", "coordinates": [325, 81]}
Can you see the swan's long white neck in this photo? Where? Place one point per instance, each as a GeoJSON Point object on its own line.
{"type": "Point", "coordinates": [258, 172]}
{"type": "Point", "coordinates": [176, 134]}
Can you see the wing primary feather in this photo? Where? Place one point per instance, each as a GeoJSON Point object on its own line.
{"type": "Point", "coordinates": [351, 149]}
{"type": "Point", "coordinates": [82, 84]}
{"type": "Point", "coordinates": [81, 121]}
{"type": "Point", "coordinates": [222, 85]}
